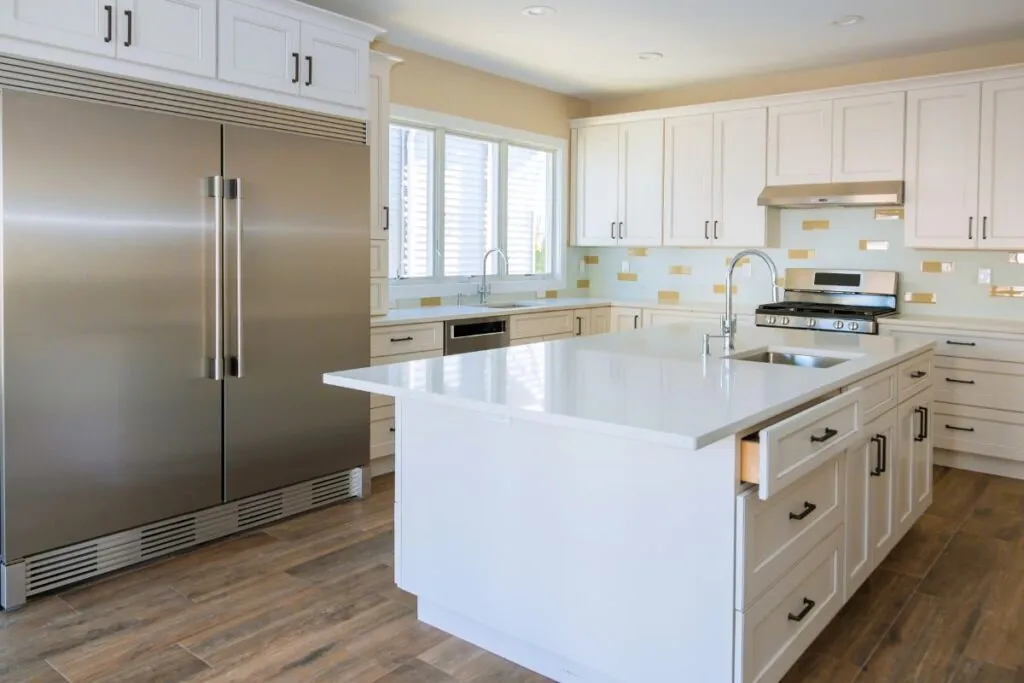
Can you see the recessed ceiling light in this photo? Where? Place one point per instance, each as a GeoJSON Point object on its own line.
{"type": "Point", "coordinates": [848, 20]}
{"type": "Point", "coordinates": [538, 11]}
{"type": "Point", "coordinates": [649, 56]}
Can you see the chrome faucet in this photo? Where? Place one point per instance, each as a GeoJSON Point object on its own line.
{"type": "Point", "coordinates": [729, 319]}
{"type": "Point", "coordinates": [485, 289]}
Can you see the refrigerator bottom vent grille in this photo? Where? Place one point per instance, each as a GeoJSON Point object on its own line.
{"type": "Point", "coordinates": [71, 564]}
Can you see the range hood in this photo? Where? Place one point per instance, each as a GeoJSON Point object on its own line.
{"type": "Point", "coordinates": [875, 193]}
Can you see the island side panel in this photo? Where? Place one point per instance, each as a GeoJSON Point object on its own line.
{"type": "Point", "coordinates": [548, 546]}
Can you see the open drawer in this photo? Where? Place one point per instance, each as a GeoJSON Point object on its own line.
{"type": "Point", "coordinates": [784, 452]}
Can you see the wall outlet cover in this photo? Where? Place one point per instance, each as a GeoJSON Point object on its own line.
{"type": "Point", "coordinates": [583, 266]}
{"type": "Point", "coordinates": [984, 276]}
{"type": "Point", "coordinates": [625, 267]}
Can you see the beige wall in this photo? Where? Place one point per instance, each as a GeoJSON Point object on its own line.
{"type": "Point", "coordinates": [441, 86]}
{"type": "Point", "coordinates": [996, 54]}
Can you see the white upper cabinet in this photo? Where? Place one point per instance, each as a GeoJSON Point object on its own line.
{"type": "Point", "coordinates": [943, 128]}
{"type": "Point", "coordinates": [642, 146]}
{"type": "Point", "coordinates": [689, 169]}
{"type": "Point", "coordinates": [335, 65]}
{"type": "Point", "coordinates": [868, 137]}
{"type": "Point", "coordinates": [377, 127]}
{"type": "Point", "coordinates": [800, 143]}
{"type": "Point", "coordinates": [82, 25]}
{"type": "Point", "coordinates": [1001, 180]}
{"type": "Point", "coordinates": [173, 34]}
{"type": "Point", "coordinates": [740, 139]}
{"type": "Point", "coordinates": [259, 48]}
{"type": "Point", "coordinates": [597, 186]}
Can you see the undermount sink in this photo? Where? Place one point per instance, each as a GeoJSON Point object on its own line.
{"type": "Point", "coordinates": [507, 306]}
{"type": "Point", "coordinates": [803, 360]}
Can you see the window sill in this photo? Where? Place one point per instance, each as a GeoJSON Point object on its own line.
{"type": "Point", "coordinates": [405, 289]}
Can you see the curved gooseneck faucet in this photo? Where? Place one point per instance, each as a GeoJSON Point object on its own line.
{"type": "Point", "coordinates": [729, 319]}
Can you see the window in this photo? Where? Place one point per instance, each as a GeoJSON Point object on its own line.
{"type": "Point", "coordinates": [458, 191]}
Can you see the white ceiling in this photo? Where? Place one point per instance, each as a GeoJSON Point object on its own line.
{"type": "Point", "coordinates": [589, 47]}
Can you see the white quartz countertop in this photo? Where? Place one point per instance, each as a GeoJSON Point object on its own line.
{"type": "Point", "coordinates": [432, 314]}
{"type": "Point", "coordinates": [652, 384]}
{"type": "Point", "coordinates": [956, 323]}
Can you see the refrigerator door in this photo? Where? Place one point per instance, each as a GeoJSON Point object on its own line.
{"type": "Point", "coordinates": [108, 233]}
{"type": "Point", "coordinates": [304, 212]}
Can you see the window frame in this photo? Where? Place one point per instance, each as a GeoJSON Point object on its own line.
{"type": "Point", "coordinates": [498, 276]}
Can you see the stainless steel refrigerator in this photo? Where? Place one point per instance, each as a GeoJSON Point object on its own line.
{"type": "Point", "coordinates": [173, 290]}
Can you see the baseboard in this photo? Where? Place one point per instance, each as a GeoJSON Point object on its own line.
{"type": "Point", "coordinates": [979, 463]}
{"type": "Point", "coordinates": [379, 466]}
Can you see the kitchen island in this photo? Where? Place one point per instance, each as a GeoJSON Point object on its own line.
{"type": "Point", "coordinates": [622, 508]}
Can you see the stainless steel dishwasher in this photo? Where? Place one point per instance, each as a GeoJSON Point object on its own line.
{"type": "Point", "coordinates": [475, 334]}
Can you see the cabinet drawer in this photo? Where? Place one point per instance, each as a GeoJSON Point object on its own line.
{"type": "Point", "coordinates": [772, 536]}
{"type": "Point", "coordinates": [961, 345]}
{"type": "Point", "coordinates": [390, 341]}
{"type": "Point", "coordinates": [378, 258]}
{"type": "Point", "coordinates": [980, 383]}
{"type": "Point", "coordinates": [382, 413]}
{"type": "Point", "coordinates": [785, 452]}
{"type": "Point", "coordinates": [878, 394]}
{"type": "Point", "coordinates": [996, 433]}
{"type": "Point", "coordinates": [381, 401]}
{"type": "Point", "coordinates": [543, 324]}
{"type": "Point", "coordinates": [776, 630]}
{"type": "Point", "coordinates": [382, 432]}
{"type": "Point", "coordinates": [914, 375]}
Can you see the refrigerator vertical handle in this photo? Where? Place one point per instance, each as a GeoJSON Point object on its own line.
{"type": "Point", "coordinates": [215, 190]}
{"type": "Point", "coordinates": [238, 361]}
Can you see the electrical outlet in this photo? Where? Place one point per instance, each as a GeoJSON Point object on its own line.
{"type": "Point", "coordinates": [583, 267]}
{"type": "Point", "coordinates": [984, 276]}
{"type": "Point", "coordinates": [625, 267]}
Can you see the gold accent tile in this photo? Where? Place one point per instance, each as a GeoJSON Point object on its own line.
{"type": "Point", "coordinates": [743, 261]}
{"type": "Point", "coordinates": [626, 277]}
{"type": "Point", "coordinates": [1017, 258]}
{"type": "Point", "coordinates": [919, 298]}
{"type": "Point", "coordinates": [429, 301]}
{"type": "Point", "coordinates": [638, 251]}
{"type": "Point", "coordinates": [680, 270]}
{"type": "Point", "coordinates": [815, 225]}
{"type": "Point", "coordinates": [937, 266]}
{"type": "Point", "coordinates": [874, 245]}
{"type": "Point", "coordinates": [720, 289]}
{"type": "Point", "coordinates": [667, 296]}
{"type": "Point", "coordinates": [1006, 290]}
{"type": "Point", "coordinates": [583, 284]}
{"type": "Point", "coordinates": [591, 260]}
{"type": "Point", "coordinates": [801, 254]}
{"type": "Point", "coordinates": [551, 294]}
{"type": "Point", "coordinates": [888, 214]}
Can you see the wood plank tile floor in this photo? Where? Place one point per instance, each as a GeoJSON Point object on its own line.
{"type": "Point", "coordinates": [312, 599]}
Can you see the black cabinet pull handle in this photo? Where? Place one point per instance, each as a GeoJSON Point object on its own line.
{"type": "Point", "coordinates": [984, 227]}
{"type": "Point", "coordinates": [960, 429]}
{"type": "Point", "coordinates": [918, 375]}
{"type": "Point", "coordinates": [716, 230]}
{"type": "Point", "coordinates": [877, 440]}
{"type": "Point", "coordinates": [309, 70]}
{"type": "Point", "coordinates": [579, 326]}
{"type": "Point", "coordinates": [926, 414]}
{"type": "Point", "coordinates": [295, 76]}
{"type": "Point", "coordinates": [808, 509]}
{"type": "Point", "coordinates": [401, 339]}
{"type": "Point", "coordinates": [613, 229]}
{"type": "Point", "coordinates": [960, 381]}
{"type": "Point", "coordinates": [956, 343]}
{"type": "Point", "coordinates": [829, 433]}
{"type": "Point", "coordinates": [970, 228]}
{"type": "Point", "coordinates": [128, 38]}
{"type": "Point", "coordinates": [110, 23]}
{"type": "Point", "coordinates": [387, 217]}
{"type": "Point", "coordinates": [808, 606]}
{"type": "Point", "coordinates": [636, 322]}
{"type": "Point", "coordinates": [391, 429]}
{"type": "Point", "coordinates": [922, 433]}
{"type": "Point", "coordinates": [706, 235]}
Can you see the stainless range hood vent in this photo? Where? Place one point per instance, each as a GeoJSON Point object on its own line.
{"type": "Point", "coordinates": [880, 193]}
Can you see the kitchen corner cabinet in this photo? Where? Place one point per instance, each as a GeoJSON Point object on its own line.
{"type": "Point", "coordinates": [714, 171]}
{"type": "Point", "coordinates": [618, 184]}
{"type": "Point", "coordinates": [623, 319]}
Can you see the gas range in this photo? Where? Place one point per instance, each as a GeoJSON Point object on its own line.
{"type": "Point", "coordinates": [833, 300]}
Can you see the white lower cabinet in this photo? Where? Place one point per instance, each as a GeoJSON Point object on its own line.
{"type": "Point", "coordinates": [913, 456]}
{"type": "Point", "coordinates": [600, 320]}
{"type": "Point", "coordinates": [623, 319]}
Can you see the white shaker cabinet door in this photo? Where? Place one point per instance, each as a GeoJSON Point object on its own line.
{"type": "Point", "coordinates": [172, 34]}
{"type": "Point", "coordinates": [623, 319]}
{"type": "Point", "coordinates": [800, 143]}
{"type": "Point", "coordinates": [884, 526]}
{"type": "Point", "coordinates": [82, 25]}
{"type": "Point", "coordinates": [689, 173]}
{"type": "Point", "coordinates": [860, 474]}
{"type": "Point", "coordinates": [600, 320]}
{"type": "Point", "coordinates": [597, 186]}
{"type": "Point", "coordinates": [942, 167]}
{"type": "Point", "coordinates": [259, 48]}
{"type": "Point", "coordinates": [739, 177]}
{"type": "Point", "coordinates": [868, 137]}
{"type": "Point", "coordinates": [334, 66]}
{"type": "Point", "coordinates": [1001, 182]}
{"type": "Point", "coordinates": [641, 167]}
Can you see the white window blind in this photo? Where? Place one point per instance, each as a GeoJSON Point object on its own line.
{"type": "Point", "coordinates": [411, 202]}
{"type": "Point", "coordinates": [530, 210]}
{"type": "Point", "coordinates": [470, 203]}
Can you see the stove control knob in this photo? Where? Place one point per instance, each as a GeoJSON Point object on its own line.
{"type": "Point", "coordinates": [811, 322]}
{"type": "Point", "coordinates": [853, 327]}
{"type": "Point", "coordinates": [785, 321]}
{"type": "Point", "coordinates": [772, 320]}
{"type": "Point", "coordinates": [838, 324]}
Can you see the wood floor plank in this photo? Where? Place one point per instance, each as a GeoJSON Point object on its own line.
{"type": "Point", "coordinates": [1006, 525]}
{"type": "Point", "coordinates": [416, 672]}
{"type": "Point", "coordinates": [956, 493]}
{"type": "Point", "coordinates": [34, 615]}
{"type": "Point", "coordinates": [169, 664]}
{"type": "Point", "coordinates": [921, 547]}
{"type": "Point", "coordinates": [972, 671]}
{"type": "Point", "coordinates": [468, 663]}
{"type": "Point", "coordinates": [817, 668]}
{"type": "Point", "coordinates": [998, 638]}
{"type": "Point", "coordinates": [1002, 493]}
{"type": "Point", "coordinates": [967, 565]}
{"type": "Point", "coordinates": [374, 550]}
{"type": "Point", "coordinates": [36, 672]}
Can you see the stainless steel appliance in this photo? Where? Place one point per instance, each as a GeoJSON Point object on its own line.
{"type": "Point", "coordinates": [475, 334]}
{"type": "Point", "coordinates": [867, 193]}
{"type": "Point", "coordinates": [173, 290]}
{"type": "Point", "coordinates": [834, 300]}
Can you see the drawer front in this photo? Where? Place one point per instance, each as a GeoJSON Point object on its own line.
{"type": "Point", "coordinates": [792, 448]}
{"type": "Point", "coordinates": [962, 345]}
{"type": "Point", "coordinates": [878, 394]}
{"type": "Point", "coordinates": [779, 627]}
{"type": "Point", "coordinates": [405, 339]}
{"type": "Point", "coordinates": [543, 324]}
{"type": "Point", "coordinates": [995, 433]}
{"type": "Point", "coordinates": [980, 383]}
{"type": "Point", "coordinates": [381, 401]}
{"type": "Point", "coordinates": [914, 376]}
{"type": "Point", "coordinates": [378, 258]}
{"type": "Point", "coordinates": [384, 413]}
{"type": "Point", "coordinates": [772, 536]}
{"type": "Point", "coordinates": [382, 432]}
